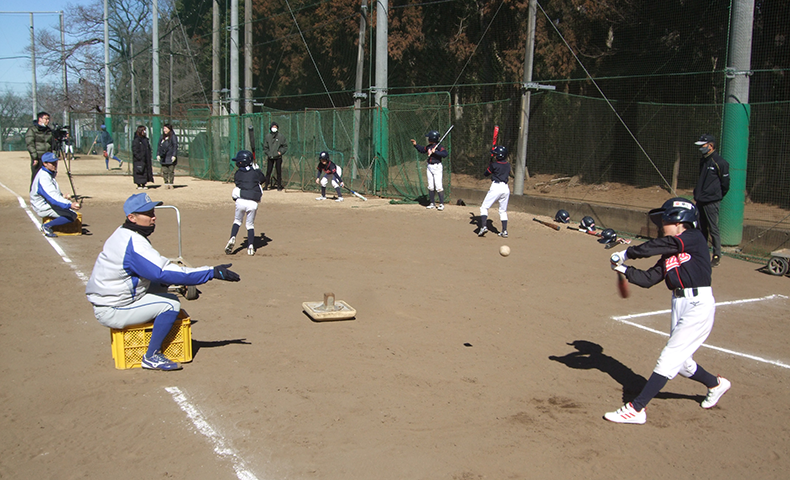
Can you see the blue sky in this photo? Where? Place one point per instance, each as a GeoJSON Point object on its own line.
{"type": "Point", "coordinates": [15, 71]}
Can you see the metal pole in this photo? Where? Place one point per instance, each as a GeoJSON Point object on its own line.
{"type": "Point", "coordinates": [107, 101]}
{"type": "Point", "coordinates": [215, 85]}
{"type": "Point", "coordinates": [66, 118]}
{"type": "Point", "coordinates": [34, 88]}
{"type": "Point", "coordinates": [523, 127]}
{"type": "Point", "coordinates": [382, 55]}
{"type": "Point", "coordinates": [170, 95]}
{"type": "Point", "coordinates": [234, 57]}
{"type": "Point", "coordinates": [157, 123]}
{"type": "Point", "coordinates": [248, 56]}
{"type": "Point", "coordinates": [358, 95]}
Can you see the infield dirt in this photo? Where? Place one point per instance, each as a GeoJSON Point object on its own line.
{"type": "Point", "coordinates": [460, 364]}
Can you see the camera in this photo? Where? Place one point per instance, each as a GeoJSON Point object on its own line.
{"type": "Point", "coordinates": [60, 132]}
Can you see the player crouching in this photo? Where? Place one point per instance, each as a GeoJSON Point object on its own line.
{"type": "Point", "coordinates": [46, 198]}
{"type": "Point", "coordinates": [128, 285]}
{"type": "Point", "coordinates": [326, 170]}
{"type": "Point", "coordinates": [247, 195]}
{"type": "Point", "coordinates": [684, 265]}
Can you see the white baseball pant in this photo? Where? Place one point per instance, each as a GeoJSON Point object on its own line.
{"type": "Point", "coordinates": [692, 321]}
{"type": "Point", "coordinates": [144, 310]}
{"type": "Point", "coordinates": [434, 173]}
{"type": "Point", "coordinates": [250, 207]}
{"type": "Point", "coordinates": [324, 180]}
{"type": "Point", "coordinates": [499, 192]}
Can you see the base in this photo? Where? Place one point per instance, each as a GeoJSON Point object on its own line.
{"type": "Point", "coordinates": [329, 309]}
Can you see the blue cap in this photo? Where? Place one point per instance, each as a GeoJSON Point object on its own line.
{"type": "Point", "coordinates": [104, 127]}
{"type": "Point", "coordinates": [49, 157]}
{"type": "Point", "coordinates": [139, 202]}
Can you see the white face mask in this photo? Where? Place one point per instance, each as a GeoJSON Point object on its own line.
{"type": "Point", "coordinates": [274, 129]}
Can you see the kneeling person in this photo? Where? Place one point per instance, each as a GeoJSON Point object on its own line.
{"type": "Point", "coordinates": [128, 285]}
{"type": "Point", "coordinates": [46, 198]}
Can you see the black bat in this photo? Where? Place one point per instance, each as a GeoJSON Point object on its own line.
{"type": "Point", "coordinates": [251, 131]}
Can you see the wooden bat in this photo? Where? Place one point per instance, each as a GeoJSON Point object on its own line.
{"type": "Point", "coordinates": [622, 285]}
{"type": "Point", "coordinates": [548, 224]}
{"type": "Point", "coordinates": [356, 194]}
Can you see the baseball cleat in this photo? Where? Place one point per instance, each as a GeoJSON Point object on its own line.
{"type": "Point", "coordinates": [715, 261]}
{"type": "Point", "coordinates": [715, 393]}
{"type": "Point", "coordinates": [339, 199]}
{"type": "Point", "coordinates": [627, 414]}
{"type": "Point", "coordinates": [503, 234]}
{"type": "Point", "coordinates": [440, 208]}
{"type": "Point", "coordinates": [482, 231]}
{"type": "Point", "coordinates": [48, 232]}
{"type": "Point", "coordinates": [157, 361]}
{"type": "Point", "coordinates": [250, 250]}
{"type": "Point", "coordinates": [229, 246]}
{"type": "Point", "coordinates": [320, 198]}
{"type": "Point", "coordinates": [430, 206]}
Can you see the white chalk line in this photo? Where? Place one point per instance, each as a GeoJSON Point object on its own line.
{"type": "Point", "coordinates": [623, 319]}
{"type": "Point", "coordinates": [220, 445]}
{"type": "Point", "coordinates": [83, 278]}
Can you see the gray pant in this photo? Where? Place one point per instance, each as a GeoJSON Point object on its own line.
{"type": "Point", "coordinates": [709, 224]}
{"type": "Point", "coordinates": [169, 173]}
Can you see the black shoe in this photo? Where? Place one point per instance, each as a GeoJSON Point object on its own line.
{"type": "Point", "coordinates": [280, 188]}
{"type": "Point", "coordinates": [715, 261]}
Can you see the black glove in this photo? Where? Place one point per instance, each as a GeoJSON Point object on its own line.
{"type": "Point", "coordinates": [221, 272]}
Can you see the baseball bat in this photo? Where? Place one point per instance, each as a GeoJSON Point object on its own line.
{"type": "Point", "coordinates": [622, 285]}
{"type": "Point", "coordinates": [548, 224]}
{"type": "Point", "coordinates": [251, 131]}
{"type": "Point", "coordinates": [355, 193]}
{"type": "Point", "coordinates": [445, 134]}
{"type": "Point", "coordinates": [493, 141]}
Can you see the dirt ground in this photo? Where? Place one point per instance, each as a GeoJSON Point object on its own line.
{"type": "Point", "coordinates": [461, 364]}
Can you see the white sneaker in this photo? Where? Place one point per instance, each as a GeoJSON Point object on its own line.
{"type": "Point", "coordinates": [627, 414]}
{"type": "Point", "coordinates": [430, 206]}
{"type": "Point", "coordinates": [339, 199]}
{"type": "Point", "coordinates": [320, 198]}
{"type": "Point", "coordinates": [503, 234]}
{"type": "Point", "coordinates": [229, 246]}
{"type": "Point", "coordinates": [440, 208]}
{"type": "Point", "coordinates": [482, 231]}
{"type": "Point", "coordinates": [715, 393]}
{"type": "Point", "coordinates": [250, 250]}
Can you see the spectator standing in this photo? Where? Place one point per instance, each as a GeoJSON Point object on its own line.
{"type": "Point", "coordinates": [274, 147]}
{"type": "Point", "coordinates": [712, 185]}
{"type": "Point", "coordinates": [167, 154]}
{"type": "Point", "coordinates": [39, 140]}
{"type": "Point", "coordinates": [143, 171]}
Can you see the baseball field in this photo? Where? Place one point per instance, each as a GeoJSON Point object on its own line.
{"type": "Point", "coordinates": [460, 364]}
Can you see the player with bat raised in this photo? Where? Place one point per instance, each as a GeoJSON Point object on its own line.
{"type": "Point", "coordinates": [436, 152]}
{"type": "Point", "coordinates": [684, 266]}
{"type": "Point", "coordinates": [499, 171]}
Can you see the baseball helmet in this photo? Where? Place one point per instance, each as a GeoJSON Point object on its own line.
{"type": "Point", "coordinates": [674, 210]}
{"type": "Point", "coordinates": [243, 158]}
{"type": "Point", "coordinates": [433, 136]}
{"type": "Point", "coordinates": [323, 156]}
{"type": "Point", "coordinates": [588, 224]}
{"type": "Point", "coordinates": [562, 216]}
{"type": "Point", "coordinates": [500, 153]}
{"type": "Point", "coordinates": [608, 236]}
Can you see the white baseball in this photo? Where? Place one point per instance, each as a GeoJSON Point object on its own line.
{"type": "Point", "coordinates": [504, 250]}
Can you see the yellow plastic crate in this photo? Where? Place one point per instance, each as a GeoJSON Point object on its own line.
{"type": "Point", "coordinates": [130, 344]}
{"type": "Point", "coordinates": [73, 228]}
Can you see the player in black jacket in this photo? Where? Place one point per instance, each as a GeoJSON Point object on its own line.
{"type": "Point", "coordinates": [434, 171]}
{"type": "Point", "coordinates": [247, 196]}
{"type": "Point", "coordinates": [684, 266]}
{"type": "Point", "coordinates": [712, 185]}
{"type": "Point", "coordinates": [329, 170]}
{"type": "Point", "coordinates": [499, 170]}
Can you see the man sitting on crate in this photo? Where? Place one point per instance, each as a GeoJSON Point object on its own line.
{"type": "Point", "coordinates": [128, 285]}
{"type": "Point", "coordinates": [46, 198]}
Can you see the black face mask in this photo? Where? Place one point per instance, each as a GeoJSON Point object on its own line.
{"type": "Point", "coordinates": [144, 231]}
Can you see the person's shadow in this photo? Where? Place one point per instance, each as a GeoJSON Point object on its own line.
{"type": "Point", "coordinates": [589, 356]}
{"type": "Point", "coordinates": [475, 220]}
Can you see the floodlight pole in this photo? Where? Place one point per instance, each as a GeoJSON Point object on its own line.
{"type": "Point", "coordinates": [33, 62]}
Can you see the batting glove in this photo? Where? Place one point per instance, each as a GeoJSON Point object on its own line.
{"type": "Point", "coordinates": [619, 268]}
{"type": "Point", "coordinates": [618, 257]}
{"type": "Point", "coordinates": [221, 272]}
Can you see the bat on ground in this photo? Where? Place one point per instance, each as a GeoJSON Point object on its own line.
{"type": "Point", "coordinates": [596, 233]}
{"type": "Point", "coordinates": [622, 285]}
{"type": "Point", "coordinates": [251, 131]}
{"type": "Point", "coordinates": [548, 224]}
{"type": "Point", "coordinates": [356, 194]}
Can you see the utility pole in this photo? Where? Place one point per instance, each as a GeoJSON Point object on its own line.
{"type": "Point", "coordinates": [215, 85]}
{"type": "Point", "coordinates": [170, 95]}
{"type": "Point", "coordinates": [358, 95]}
{"type": "Point", "coordinates": [382, 54]}
{"type": "Point", "coordinates": [234, 57]}
{"type": "Point", "coordinates": [33, 62]}
{"type": "Point", "coordinates": [66, 118]}
{"type": "Point", "coordinates": [157, 123]}
{"type": "Point", "coordinates": [248, 89]}
{"type": "Point", "coordinates": [107, 101]}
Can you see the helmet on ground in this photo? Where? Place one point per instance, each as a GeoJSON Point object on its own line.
{"type": "Point", "coordinates": [608, 236]}
{"type": "Point", "coordinates": [588, 224]}
{"type": "Point", "coordinates": [675, 210]}
{"type": "Point", "coordinates": [323, 156]}
{"type": "Point", "coordinates": [433, 136]}
{"type": "Point", "coordinates": [243, 158]}
{"type": "Point", "coordinates": [562, 216]}
{"type": "Point", "coordinates": [500, 153]}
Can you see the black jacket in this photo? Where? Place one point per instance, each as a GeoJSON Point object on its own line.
{"type": "Point", "coordinates": [168, 148]}
{"type": "Point", "coordinates": [249, 181]}
{"type": "Point", "coordinates": [714, 179]}
{"type": "Point", "coordinates": [141, 160]}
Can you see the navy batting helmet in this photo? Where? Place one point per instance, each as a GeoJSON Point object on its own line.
{"type": "Point", "coordinates": [243, 158]}
{"type": "Point", "coordinates": [562, 216]}
{"type": "Point", "coordinates": [323, 156]}
{"type": "Point", "coordinates": [675, 210]}
{"type": "Point", "coordinates": [588, 224]}
{"type": "Point", "coordinates": [500, 153]}
{"type": "Point", "coordinates": [433, 136]}
{"type": "Point", "coordinates": [608, 236]}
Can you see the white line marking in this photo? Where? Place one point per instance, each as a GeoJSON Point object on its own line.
{"type": "Point", "coordinates": [83, 278]}
{"type": "Point", "coordinates": [623, 319]}
{"type": "Point", "coordinates": [221, 447]}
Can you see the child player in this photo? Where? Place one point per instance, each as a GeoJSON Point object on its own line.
{"type": "Point", "coordinates": [247, 195]}
{"type": "Point", "coordinates": [436, 153]}
{"type": "Point", "coordinates": [499, 170]}
{"type": "Point", "coordinates": [328, 169]}
{"type": "Point", "coordinates": [684, 265]}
